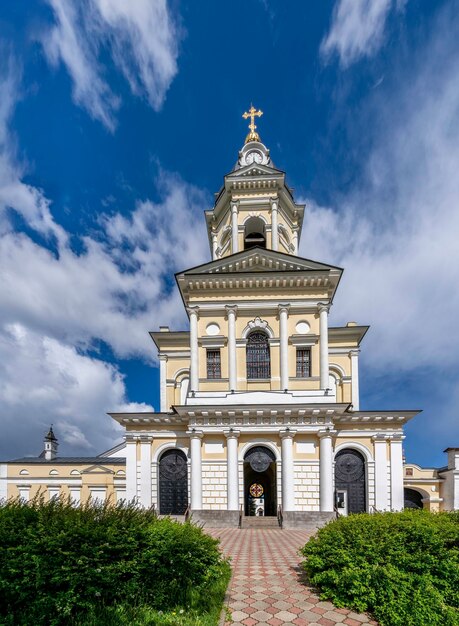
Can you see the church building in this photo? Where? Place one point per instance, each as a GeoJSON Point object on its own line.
{"type": "Point", "coordinates": [259, 400]}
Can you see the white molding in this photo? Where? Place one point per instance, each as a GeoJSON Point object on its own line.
{"type": "Point", "coordinates": [356, 446]}
{"type": "Point", "coordinates": [257, 324]}
{"type": "Point", "coordinates": [168, 446]}
{"type": "Point", "coordinates": [267, 443]}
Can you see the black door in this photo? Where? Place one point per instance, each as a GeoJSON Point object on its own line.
{"type": "Point", "coordinates": [260, 477]}
{"type": "Point", "coordinates": [173, 483]}
{"type": "Point", "coordinates": [413, 499]}
{"type": "Point", "coordinates": [350, 475]}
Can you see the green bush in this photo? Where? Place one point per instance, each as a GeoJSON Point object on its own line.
{"type": "Point", "coordinates": [401, 567]}
{"type": "Point", "coordinates": [60, 564]}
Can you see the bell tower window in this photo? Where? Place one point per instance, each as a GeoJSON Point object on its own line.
{"type": "Point", "coordinates": [258, 357]}
{"type": "Point", "coordinates": [254, 233]}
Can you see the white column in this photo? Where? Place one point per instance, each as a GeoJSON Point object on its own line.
{"type": "Point", "coordinates": [283, 324]}
{"type": "Point", "coordinates": [326, 470]}
{"type": "Point", "coordinates": [231, 311]}
{"type": "Point", "coordinates": [145, 472]}
{"type": "Point", "coordinates": [354, 354]}
{"type": "Point", "coordinates": [323, 331]}
{"type": "Point", "coordinates": [131, 469]}
{"type": "Point", "coordinates": [381, 503]}
{"type": "Point", "coordinates": [288, 476]}
{"type": "Point", "coordinates": [232, 470]}
{"type": "Point", "coordinates": [234, 227]}
{"type": "Point", "coordinates": [194, 349]}
{"type": "Point", "coordinates": [274, 225]}
{"type": "Point", "coordinates": [214, 245]}
{"type": "Point", "coordinates": [396, 473]}
{"type": "Point", "coordinates": [196, 470]}
{"type": "Point", "coordinates": [162, 383]}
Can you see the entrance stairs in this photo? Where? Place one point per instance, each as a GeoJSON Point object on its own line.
{"type": "Point", "coordinates": [259, 521]}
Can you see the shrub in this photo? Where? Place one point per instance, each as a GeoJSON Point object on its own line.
{"type": "Point", "coordinates": [402, 567]}
{"type": "Point", "coordinates": [60, 564]}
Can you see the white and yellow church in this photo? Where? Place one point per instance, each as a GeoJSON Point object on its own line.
{"type": "Point", "coordinates": [260, 413]}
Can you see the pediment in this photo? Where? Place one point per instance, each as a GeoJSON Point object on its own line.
{"type": "Point", "coordinates": [97, 469]}
{"type": "Point", "coordinates": [260, 260]}
{"type": "Point", "coordinates": [255, 170]}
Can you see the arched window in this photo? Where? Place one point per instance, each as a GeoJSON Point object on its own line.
{"type": "Point", "coordinates": [258, 359]}
{"type": "Point", "coordinates": [254, 233]}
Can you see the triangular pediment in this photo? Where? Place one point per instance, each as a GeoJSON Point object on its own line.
{"type": "Point", "coordinates": [97, 469]}
{"type": "Point", "coordinates": [260, 260]}
{"type": "Point", "coordinates": [255, 170]}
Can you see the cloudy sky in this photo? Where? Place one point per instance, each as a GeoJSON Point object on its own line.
{"type": "Point", "coordinates": [117, 122]}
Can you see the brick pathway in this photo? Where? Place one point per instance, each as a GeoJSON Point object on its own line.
{"type": "Point", "coordinates": [266, 587]}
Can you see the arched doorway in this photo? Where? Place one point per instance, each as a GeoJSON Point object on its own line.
{"type": "Point", "coordinates": [173, 482]}
{"type": "Point", "coordinates": [260, 495]}
{"type": "Point", "coordinates": [413, 499]}
{"type": "Point", "coordinates": [350, 481]}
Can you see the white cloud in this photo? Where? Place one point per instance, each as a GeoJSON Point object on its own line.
{"type": "Point", "coordinates": [44, 381]}
{"type": "Point", "coordinates": [396, 232]}
{"type": "Point", "coordinates": [26, 200]}
{"type": "Point", "coordinates": [357, 28]}
{"type": "Point", "coordinates": [142, 38]}
{"type": "Point", "coordinates": [56, 303]}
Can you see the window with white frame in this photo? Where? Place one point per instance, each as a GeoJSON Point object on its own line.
{"type": "Point", "coordinates": [214, 366]}
{"type": "Point", "coordinates": [303, 362]}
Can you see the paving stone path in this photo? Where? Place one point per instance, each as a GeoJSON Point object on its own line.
{"type": "Point", "coordinates": [266, 588]}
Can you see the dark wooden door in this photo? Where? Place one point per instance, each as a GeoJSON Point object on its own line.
{"type": "Point", "coordinates": [173, 483]}
{"type": "Point", "coordinates": [350, 475]}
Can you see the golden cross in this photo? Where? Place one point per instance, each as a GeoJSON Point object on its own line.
{"type": "Point", "coordinates": [252, 113]}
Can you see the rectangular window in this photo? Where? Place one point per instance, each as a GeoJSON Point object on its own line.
{"type": "Point", "coordinates": [214, 367]}
{"type": "Point", "coordinates": [303, 362]}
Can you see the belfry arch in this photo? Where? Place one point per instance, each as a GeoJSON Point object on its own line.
{"type": "Point", "coordinates": [254, 233]}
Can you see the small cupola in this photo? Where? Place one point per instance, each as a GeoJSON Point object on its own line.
{"type": "Point", "coordinates": [51, 445]}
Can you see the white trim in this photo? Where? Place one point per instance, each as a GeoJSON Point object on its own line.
{"type": "Point", "coordinates": [257, 324]}
{"type": "Point", "coordinates": [259, 442]}
{"type": "Point", "coordinates": [168, 446]}
{"type": "Point", "coordinates": [356, 446]}
{"type": "Point", "coordinates": [337, 369]}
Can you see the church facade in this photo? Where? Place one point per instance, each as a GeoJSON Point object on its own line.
{"type": "Point", "coordinates": [259, 400]}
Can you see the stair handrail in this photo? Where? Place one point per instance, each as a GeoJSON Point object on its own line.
{"type": "Point", "coordinates": [280, 516]}
{"type": "Point", "coordinates": [187, 513]}
{"type": "Point", "coordinates": [240, 517]}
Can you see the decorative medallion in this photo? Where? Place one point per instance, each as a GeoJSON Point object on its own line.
{"type": "Point", "coordinates": [260, 458]}
{"type": "Point", "coordinates": [256, 490]}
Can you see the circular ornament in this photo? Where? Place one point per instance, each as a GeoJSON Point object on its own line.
{"type": "Point", "coordinates": [256, 490]}
{"type": "Point", "coordinates": [302, 328]}
{"type": "Point", "coordinates": [259, 461]}
{"type": "Point", "coordinates": [212, 329]}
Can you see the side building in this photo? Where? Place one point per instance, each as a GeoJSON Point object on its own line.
{"type": "Point", "coordinates": [259, 400]}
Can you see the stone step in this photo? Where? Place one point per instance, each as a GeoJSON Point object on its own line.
{"type": "Point", "coordinates": [255, 521]}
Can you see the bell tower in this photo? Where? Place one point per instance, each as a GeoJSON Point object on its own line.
{"type": "Point", "coordinates": [255, 206]}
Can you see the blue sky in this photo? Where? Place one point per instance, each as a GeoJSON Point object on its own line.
{"type": "Point", "coordinates": [117, 123]}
